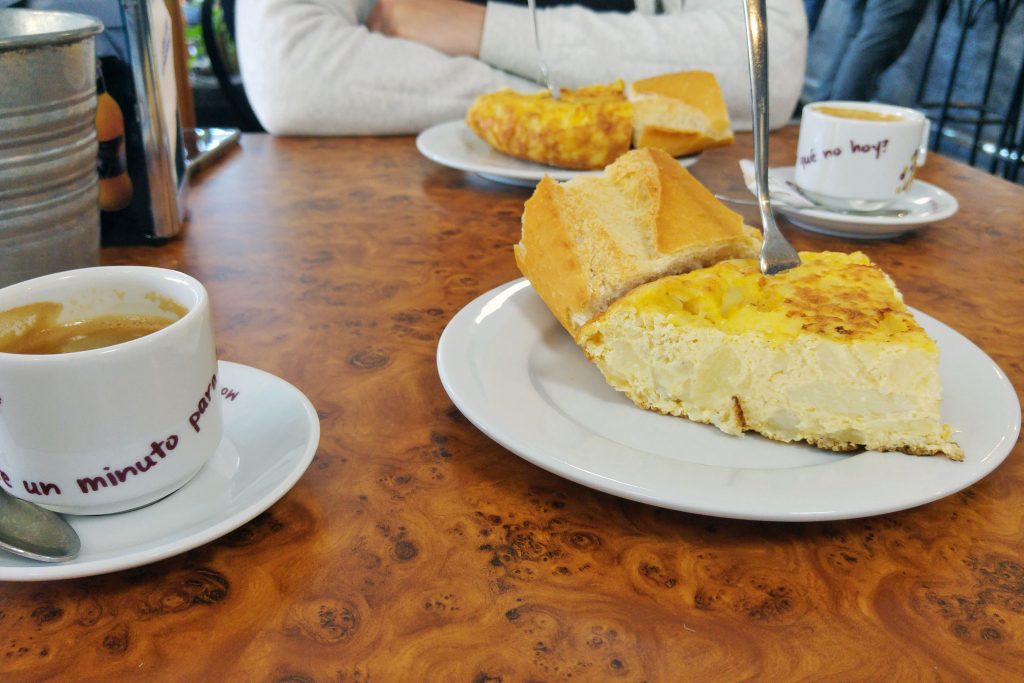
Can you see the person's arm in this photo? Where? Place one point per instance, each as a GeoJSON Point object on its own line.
{"type": "Point", "coordinates": [453, 27]}
{"type": "Point", "coordinates": [310, 68]}
{"type": "Point", "coordinates": [583, 47]}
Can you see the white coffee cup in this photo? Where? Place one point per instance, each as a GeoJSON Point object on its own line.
{"type": "Point", "coordinates": [846, 162]}
{"type": "Point", "coordinates": [113, 428]}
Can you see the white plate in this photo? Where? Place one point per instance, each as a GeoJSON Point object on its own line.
{"type": "Point", "coordinates": [925, 203]}
{"type": "Point", "coordinates": [271, 433]}
{"type": "Point", "coordinates": [517, 375]}
{"type": "Point", "coordinates": [454, 145]}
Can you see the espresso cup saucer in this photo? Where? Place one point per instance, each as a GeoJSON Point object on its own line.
{"type": "Point", "coordinates": [925, 203]}
{"type": "Point", "coordinates": [271, 433]}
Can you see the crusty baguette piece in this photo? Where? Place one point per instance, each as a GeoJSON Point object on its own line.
{"type": "Point", "coordinates": [589, 240]}
{"type": "Point", "coordinates": [682, 113]}
{"type": "Point", "coordinates": [584, 129]}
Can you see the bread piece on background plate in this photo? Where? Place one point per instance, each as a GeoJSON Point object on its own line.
{"type": "Point", "coordinates": [586, 128]}
{"type": "Point", "coordinates": [826, 352]}
{"type": "Point", "coordinates": [682, 113]}
{"type": "Point", "coordinates": [588, 241]}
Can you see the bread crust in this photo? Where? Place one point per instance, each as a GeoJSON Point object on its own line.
{"type": "Point", "coordinates": [587, 241]}
{"type": "Point", "coordinates": [682, 113]}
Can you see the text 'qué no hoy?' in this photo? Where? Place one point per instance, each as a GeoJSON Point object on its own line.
{"type": "Point", "coordinates": [813, 156]}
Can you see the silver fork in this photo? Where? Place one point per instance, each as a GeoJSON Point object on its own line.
{"type": "Point", "coordinates": [545, 74]}
{"type": "Point", "coordinates": [777, 254]}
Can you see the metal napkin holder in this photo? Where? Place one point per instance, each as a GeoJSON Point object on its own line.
{"type": "Point", "coordinates": [137, 69]}
{"type": "Point", "coordinates": [149, 47]}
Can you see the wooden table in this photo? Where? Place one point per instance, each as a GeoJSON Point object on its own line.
{"type": "Point", "coordinates": [416, 549]}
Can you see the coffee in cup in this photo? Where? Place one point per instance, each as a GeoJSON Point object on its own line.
{"type": "Point", "coordinates": [858, 114]}
{"type": "Point", "coordinates": [108, 387]}
{"type": "Point", "coordinates": [859, 155]}
{"type": "Point", "coordinates": [43, 334]}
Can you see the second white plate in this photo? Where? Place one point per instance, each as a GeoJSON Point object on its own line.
{"type": "Point", "coordinates": [517, 375]}
{"type": "Point", "coordinates": [454, 145]}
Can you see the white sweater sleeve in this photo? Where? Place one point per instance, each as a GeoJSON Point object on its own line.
{"type": "Point", "coordinates": [311, 68]}
{"type": "Point", "coordinates": [584, 47]}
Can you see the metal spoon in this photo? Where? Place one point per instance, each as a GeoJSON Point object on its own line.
{"type": "Point", "coordinates": [882, 213]}
{"type": "Point", "coordinates": [545, 74]}
{"type": "Point", "coordinates": [34, 532]}
{"type": "Point", "coordinates": [896, 213]}
{"type": "Point", "coordinates": [777, 254]}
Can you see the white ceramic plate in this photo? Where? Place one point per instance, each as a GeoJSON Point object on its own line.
{"type": "Point", "coordinates": [454, 145]}
{"type": "Point", "coordinates": [517, 375]}
{"type": "Point", "coordinates": [925, 203]}
{"type": "Point", "coordinates": [271, 433]}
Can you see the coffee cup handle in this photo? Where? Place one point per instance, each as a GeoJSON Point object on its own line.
{"type": "Point", "coordinates": [922, 149]}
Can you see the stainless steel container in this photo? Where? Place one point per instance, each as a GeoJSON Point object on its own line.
{"type": "Point", "coordinates": [49, 215]}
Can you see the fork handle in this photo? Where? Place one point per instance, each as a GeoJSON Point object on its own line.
{"type": "Point", "coordinates": [545, 74]}
{"type": "Point", "coordinates": [777, 254]}
{"type": "Point", "coordinates": [757, 44]}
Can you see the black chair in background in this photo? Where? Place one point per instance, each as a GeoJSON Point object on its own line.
{"type": "Point", "coordinates": [220, 43]}
{"type": "Point", "coordinates": [954, 119]}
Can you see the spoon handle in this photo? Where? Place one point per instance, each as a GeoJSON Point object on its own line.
{"type": "Point", "coordinates": [35, 532]}
{"type": "Point", "coordinates": [777, 254]}
{"type": "Point", "coordinates": [883, 213]}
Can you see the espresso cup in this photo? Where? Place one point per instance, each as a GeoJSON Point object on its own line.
{"type": "Point", "coordinates": [859, 155]}
{"type": "Point", "coordinates": [100, 430]}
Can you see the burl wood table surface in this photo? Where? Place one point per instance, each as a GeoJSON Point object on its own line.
{"type": "Point", "coordinates": [416, 549]}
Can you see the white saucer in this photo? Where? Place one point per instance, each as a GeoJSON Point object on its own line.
{"type": "Point", "coordinates": [454, 145]}
{"type": "Point", "coordinates": [516, 374]}
{"type": "Point", "coordinates": [271, 433]}
{"type": "Point", "coordinates": [925, 203]}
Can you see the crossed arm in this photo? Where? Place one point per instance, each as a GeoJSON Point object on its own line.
{"type": "Point", "coordinates": [449, 26]}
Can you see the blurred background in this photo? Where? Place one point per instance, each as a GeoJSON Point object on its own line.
{"type": "Point", "coordinates": [963, 66]}
{"type": "Point", "coordinates": [218, 92]}
{"type": "Point", "coordinates": [960, 61]}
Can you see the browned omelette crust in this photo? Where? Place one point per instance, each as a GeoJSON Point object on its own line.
{"type": "Point", "coordinates": [584, 129]}
{"type": "Point", "coordinates": [841, 297]}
